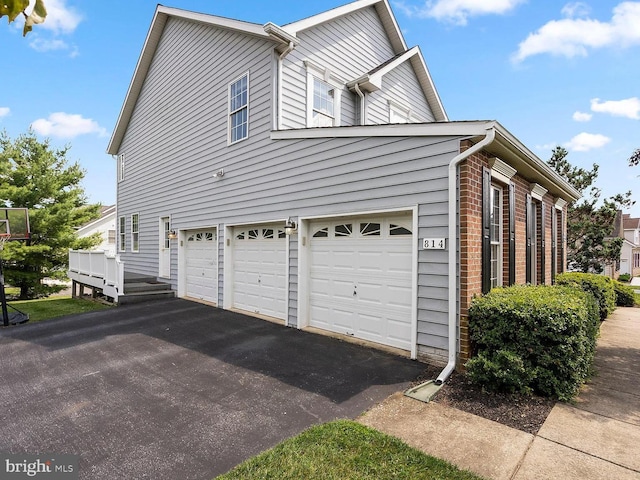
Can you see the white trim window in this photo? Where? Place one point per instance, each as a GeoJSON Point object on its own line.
{"type": "Point", "coordinates": [122, 238]}
{"type": "Point", "coordinates": [239, 109]}
{"type": "Point", "coordinates": [323, 114]}
{"type": "Point", "coordinates": [135, 232]}
{"type": "Point", "coordinates": [323, 98]}
{"type": "Point", "coordinates": [496, 236]}
{"type": "Point", "coordinates": [121, 167]}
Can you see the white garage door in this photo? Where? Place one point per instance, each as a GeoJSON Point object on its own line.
{"type": "Point", "coordinates": [361, 271]}
{"type": "Point", "coordinates": [202, 265]}
{"type": "Point", "coordinates": [259, 270]}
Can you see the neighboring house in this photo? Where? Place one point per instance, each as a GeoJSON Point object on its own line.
{"type": "Point", "coordinates": [105, 226]}
{"type": "Point", "coordinates": [331, 125]}
{"type": "Point", "coordinates": [629, 229]}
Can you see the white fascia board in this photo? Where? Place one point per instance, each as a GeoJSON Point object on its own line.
{"type": "Point", "coordinates": [105, 219]}
{"type": "Point", "coordinates": [511, 144]}
{"type": "Point", "coordinates": [222, 22]}
{"type": "Point", "coordinates": [139, 74]}
{"type": "Point", "coordinates": [279, 34]}
{"type": "Point", "coordinates": [449, 129]}
{"type": "Point", "coordinates": [429, 88]}
{"type": "Point", "coordinates": [373, 82]}
{"type": "Point", "coordinates": [382, 7]}
{"type": "Point", "coordinates": [327, 16]}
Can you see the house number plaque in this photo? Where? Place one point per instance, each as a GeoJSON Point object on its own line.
{"type": "Point", "coordinates": [434, 243]}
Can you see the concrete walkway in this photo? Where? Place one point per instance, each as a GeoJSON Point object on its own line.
{"type": "Point", "coordinates": [598, 437]}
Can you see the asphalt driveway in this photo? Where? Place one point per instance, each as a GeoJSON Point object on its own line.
{"type": "Point", "coordinates": [174, 389]}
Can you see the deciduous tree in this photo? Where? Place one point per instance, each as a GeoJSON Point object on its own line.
{"type": "Point", "coordinates": [13, 8]}
{"type": "Point", "coordinates": [590, 220]}
{"type": "Point", "coordinates": [38, 177]}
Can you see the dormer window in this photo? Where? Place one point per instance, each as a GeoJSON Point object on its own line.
{"type": "Point", "coordinates": [323, 101]}
{"type": "Point", "coordinates": [323, 97]}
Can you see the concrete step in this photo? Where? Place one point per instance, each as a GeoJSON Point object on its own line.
{"type": "Point", "coordinates": [149, 286]}
{"type": "Point", "coordinates": [145, 296]}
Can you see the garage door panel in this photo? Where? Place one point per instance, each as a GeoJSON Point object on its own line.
{"type": "Point", "coordinates": [259, 266]}
{"type": "Point", "coordinates": [377, 267]}
{"type": "Point", "coordinates": [201, 272]}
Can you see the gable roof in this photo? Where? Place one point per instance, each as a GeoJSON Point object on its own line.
{"type": "Point", "coordinates": [382, 8]}
{"type": "Point", "coordinates": [106, 212]}
{"type": "Point", "coordinates": [372, 80]}
{"type": "Point", "coordinates": [160, 18]}
{"type": "Point", "coordinates": [281, 36]}
{"type": "Point", "coordinates": [631, 223]}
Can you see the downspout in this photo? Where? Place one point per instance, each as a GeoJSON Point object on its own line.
{"type": "Point", "coordinates": [356, 87]}
{"type": "Point", "coordinates": [453, 242]}
{"type": "Point", "coordinates": [286, 52]}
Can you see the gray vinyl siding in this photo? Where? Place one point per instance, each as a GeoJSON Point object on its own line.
{"type": "Point", "coordinates": [400, 85]}
{"type": "Point", "coordinates": [177, 136]}
{"type": "Point", "coordinates": [177, 139]}
{"type": "Point", "coordinates": [349, 47]}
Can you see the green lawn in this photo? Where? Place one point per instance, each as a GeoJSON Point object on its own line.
{"type": "Point", "coordinates": [344, 450]}
{"type": "Point", "coordinates": [46, 308]}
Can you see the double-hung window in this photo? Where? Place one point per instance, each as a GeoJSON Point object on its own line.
{"type": "Point", "coordinates": [135, 232]}
{"type": "Point", "coordinates": [496, 236]}
{"type": "Point", "coordinates": [324, 93]}
{"type": "Point", "coordinates": [239, 109]}
{"type": "Point", "coordinates": [323, 104]}
{"type": "Point", "coordinates": [121, 167]}
{"type": "Point", "coordinates": [121, 234]}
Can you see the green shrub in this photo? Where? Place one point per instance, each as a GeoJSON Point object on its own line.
{"type": "Point", "coordinates": [503, 370]}
{"type": "Point", "coordinates": [533, 339]}
{"type": "Point", "coordinates": [625, 295]}
{"type": "Point", "coordinates": [599, 286]}
{"type": "Point", "coordinates": [624, 277]}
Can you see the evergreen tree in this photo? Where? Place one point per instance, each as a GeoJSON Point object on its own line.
{"type": "Point", "coordinates": [590, 221]}
{"type": "Point", "coordinates": [37, 177]}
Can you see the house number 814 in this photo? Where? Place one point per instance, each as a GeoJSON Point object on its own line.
{"type": "Point", "coordinates": [434, 243]}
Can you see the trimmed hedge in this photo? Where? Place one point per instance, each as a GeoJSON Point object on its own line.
{"type": "Point", "coordinates": [599, 286]}
{"type": "Point", "coordinates": [625, 295]}
{"type": "Point", "coordinates": [624, 277]}
{"type": "Point", "coordinates": [533, 339]}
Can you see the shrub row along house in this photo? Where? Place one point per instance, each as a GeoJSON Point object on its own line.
{"type": "Point", "coordinates": [332, 127]}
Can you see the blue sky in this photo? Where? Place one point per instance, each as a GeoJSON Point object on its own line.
{"type": "Point", "coordinates": [553, 73]}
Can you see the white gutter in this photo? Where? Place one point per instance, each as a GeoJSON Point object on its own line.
{"type": "Point", "coordinates": [356, 87]}
{"type": "Point", "coordinates": [453, 243]}
{"type": "Point", "coordinates": [286, 52]}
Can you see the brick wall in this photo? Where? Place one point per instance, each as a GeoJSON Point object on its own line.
{"type": "Point", "coordinates": [470, 208]}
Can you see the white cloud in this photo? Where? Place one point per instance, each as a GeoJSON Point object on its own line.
{"type": "Point", "coordinates": [67, 125]}
{"type": "Point", "coordinates": [629, 107]}
{"type": "Point", "coordinates": [583, 142]}
{"type": "Point", "coordinates": [60, 17]}
{"type": "Point", "coordinates": [49, 45]}
{"type": "Point", "coordinates": [572, 36]}
{"type": "Point", "coordinates": [576, 9]}
{"type": "Point", "coordinates": [4, 111]}
{"type": "Point", "coordinates": [457, 11]}
{"type": "Point", "coordinates": [582, 116]}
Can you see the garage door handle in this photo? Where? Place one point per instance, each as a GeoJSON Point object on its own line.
{"type": "Point", "coordinates": [355, 291]}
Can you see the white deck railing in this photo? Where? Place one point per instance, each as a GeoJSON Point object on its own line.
{"type": "Point", "coordinates": [97, 269]}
